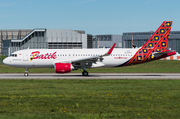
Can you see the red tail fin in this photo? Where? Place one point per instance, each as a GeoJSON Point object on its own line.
{"type": "Point", "coordinates": [159, 40]}
{"type": "Point", "coordinates": [157, 43]}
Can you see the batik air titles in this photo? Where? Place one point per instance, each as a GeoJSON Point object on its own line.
{"type": "Point", "coordinates": [65, 60]}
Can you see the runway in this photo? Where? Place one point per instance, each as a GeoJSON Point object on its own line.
{"type": "Point", "coordinates": [91, 76]}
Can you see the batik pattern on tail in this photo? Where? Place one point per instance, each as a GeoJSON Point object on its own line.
{"type": "Point", "coordinates": [157, 43]}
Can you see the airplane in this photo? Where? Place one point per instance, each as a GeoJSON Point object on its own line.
{"type": "Point", "coordinates": [66, 60]}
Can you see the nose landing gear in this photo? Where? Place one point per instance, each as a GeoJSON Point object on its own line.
{"type": "Point", "coordinates": [26, 72]}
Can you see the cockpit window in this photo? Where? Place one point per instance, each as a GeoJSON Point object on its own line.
{"type": "Point", "coordinates": [13, 55]}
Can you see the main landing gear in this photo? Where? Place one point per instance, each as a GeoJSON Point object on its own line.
{"type": "Point", "coordinates": [85, 73]}
{"type": "Point", "coordinates": [26, 72]}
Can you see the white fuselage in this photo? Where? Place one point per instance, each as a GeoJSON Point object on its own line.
{"type": "Point", "coordinates": [46, 58]}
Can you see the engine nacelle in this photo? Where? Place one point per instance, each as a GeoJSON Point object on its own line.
{"type": "Point", "coordinates": [62, 67]}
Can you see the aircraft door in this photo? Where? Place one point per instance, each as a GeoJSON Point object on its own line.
{"type": "Point", "coordinates": [25, 55]}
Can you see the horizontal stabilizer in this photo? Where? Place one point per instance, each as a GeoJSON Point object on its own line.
{"type": "Point", "coordinates": [167, 53]}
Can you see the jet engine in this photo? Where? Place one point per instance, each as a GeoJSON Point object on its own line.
{"type": "Point", "coordinates": [62, 67]}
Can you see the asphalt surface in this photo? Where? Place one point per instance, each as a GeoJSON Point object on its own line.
{"type": "Point", "coordinates": [91, 76]}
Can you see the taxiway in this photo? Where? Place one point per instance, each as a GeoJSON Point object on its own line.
{"type": "Point", "coordinates": [91, 76]}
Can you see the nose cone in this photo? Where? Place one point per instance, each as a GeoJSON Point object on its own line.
{"type": "Point", "coordinates": [5, 61]}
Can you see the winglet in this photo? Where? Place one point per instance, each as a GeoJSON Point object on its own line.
{"type": "Point", "coordinates": [111, 49]}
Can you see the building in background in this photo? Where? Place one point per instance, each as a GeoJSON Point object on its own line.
{"type": "Point", "coordinates": [47, 39]}
{"type": "Point", "coordinates": [13, 40]}
{"type": "Point", "coordinates": [100, 41]}
{"type": "Point", "coordinates": [12, 34]}
{"type": "Point", "coordinates": [140, 38]}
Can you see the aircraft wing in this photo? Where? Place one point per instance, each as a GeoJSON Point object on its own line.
{"type": "Point", "coordinates": [86, 59]}
{"type": "Point", "coordinates": [96, 57]}
{"type": "Point", "coordinates": [87, 62]}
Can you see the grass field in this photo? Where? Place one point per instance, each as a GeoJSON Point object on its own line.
{"type": "Point", "coordinates": [92, 98]}
{"type": "Point", "coordinates": [89, 99]}
{"type": "Point", "coordinates": [154, 66]}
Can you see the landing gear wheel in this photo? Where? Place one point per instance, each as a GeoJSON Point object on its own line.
{"type": "Point", "coordinates": [25, 74]}
{"type": "Point", "coordinates": [85, 73]}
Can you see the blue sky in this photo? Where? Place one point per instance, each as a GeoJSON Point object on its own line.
{"type": "Point", "coordinates": [93, 16]}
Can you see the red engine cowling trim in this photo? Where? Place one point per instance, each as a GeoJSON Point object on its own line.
{"type": "Point", "coordinates": [62, 67]}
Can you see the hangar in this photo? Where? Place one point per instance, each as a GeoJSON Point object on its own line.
{"type": "Point", "coordinates": [13, 40]}
{"type": "Point", "coordinates": [43, 39]}
{"type": "Point", "coordinates": [100, 41]}
{"type": "Point", "coordinates": [140, 38]}
{"type": "Point", "coordinates": [11, 34]}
